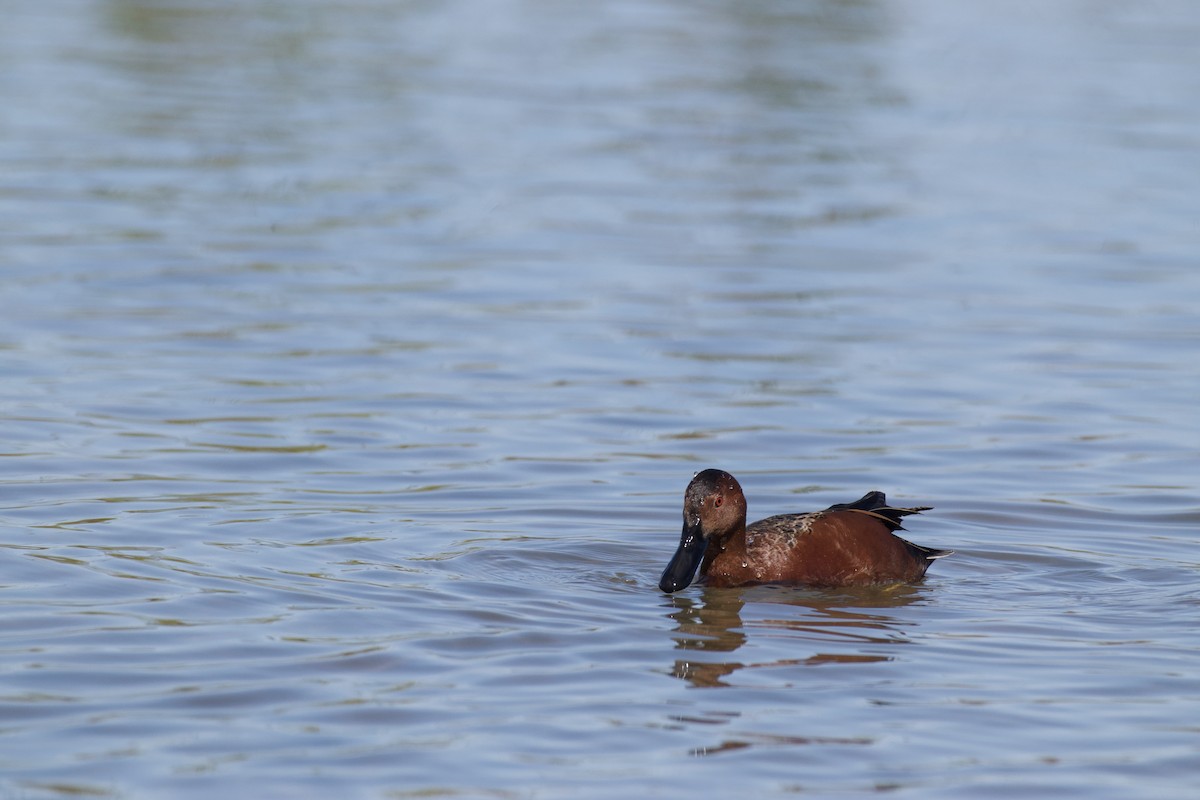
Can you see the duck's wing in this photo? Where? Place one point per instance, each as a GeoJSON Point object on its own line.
{"type": "Point", "coordinates": [875, 504]}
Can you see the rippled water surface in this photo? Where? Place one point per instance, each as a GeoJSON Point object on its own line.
{"type": "Point", "coordinates": [355, 358]}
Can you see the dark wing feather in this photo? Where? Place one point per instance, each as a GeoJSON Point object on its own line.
{"type": "Point", "coordinates": [875, 505]}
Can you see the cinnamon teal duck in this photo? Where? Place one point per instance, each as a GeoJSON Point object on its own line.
{"type": "Point", "coordinates": [848, 544]}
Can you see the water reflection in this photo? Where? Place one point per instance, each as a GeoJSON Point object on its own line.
{"type": "Point", "coordinates": [839, 623]}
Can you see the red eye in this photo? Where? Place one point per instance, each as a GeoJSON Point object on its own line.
{"type": "Point", "coordinates": [717, 501]}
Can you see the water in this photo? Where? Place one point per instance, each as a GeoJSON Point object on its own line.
{"type": "Point", "coordinates": [355, 359]}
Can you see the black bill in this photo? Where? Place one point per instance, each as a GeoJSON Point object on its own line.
{"type": "Point", "coordinates": [683, 565]}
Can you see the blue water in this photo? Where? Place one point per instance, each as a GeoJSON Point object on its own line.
{"type": "Point", "coordinates": [355, 359]}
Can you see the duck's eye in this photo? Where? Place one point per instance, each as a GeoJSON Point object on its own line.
{"type": "Point", "coordinates": [717, 501]}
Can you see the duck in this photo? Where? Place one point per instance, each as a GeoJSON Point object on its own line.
{"type": "Point", "coordinates": [847, 544]}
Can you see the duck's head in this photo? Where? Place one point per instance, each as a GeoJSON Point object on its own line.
{"type": "Point", "coordinates": [713, 509]}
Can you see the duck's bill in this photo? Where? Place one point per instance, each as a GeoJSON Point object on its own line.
{"type": "Point", "coordinates": [683, 565]}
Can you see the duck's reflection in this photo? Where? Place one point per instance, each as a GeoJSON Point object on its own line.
{"type": "Point", "coordinates": [842, 627]}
